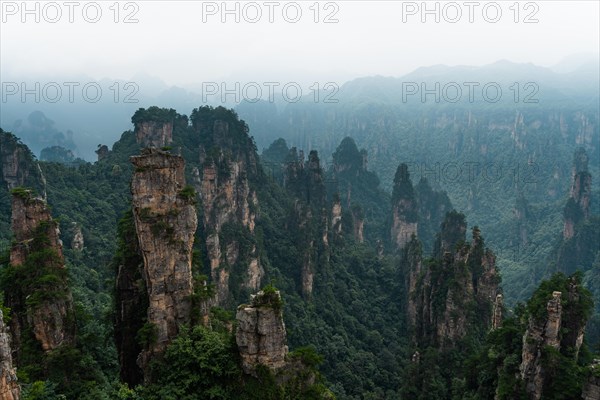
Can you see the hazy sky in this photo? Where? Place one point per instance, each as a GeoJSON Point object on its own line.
{"type": "Point", "coordinates": [184, 42]}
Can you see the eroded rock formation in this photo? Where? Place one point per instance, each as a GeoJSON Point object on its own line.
{"type": "Point", "coordinates": [261, 335]}
{"type": "Point", "coordinates": [18, 166]}
{"type": "Point", "coordinates": [336, 216]}
{"type": "Point", "coordinates": [578, 205]}
{"type": "Point", "coordinates": [309, 220]}
{"type": "Point", "coordinates": [9, 387]}
{"type": "Point", "coordinates": [404, 209]}
{"type": "Point", "coordinates": [15, 160]}
{"type": "Point", "coordinates": [77, 242]}
{"type": "Point", "coordinates": [165, 223]}
{"type": "Point", "coordinates": [102, 151]}
{"type": "Point", "coordinates": [42, 302]}
{"type": "Point", "coordinates": [560, 327]}
{"type": "Point", "coordinates": [540, 333]}
{"type": "Point", "coordinates": [497, 312]}
{"type": "Point", "coordinates": [591, 387]}
{"type": "Point", "coordinates": [461, 275]}
{"type": "Point", "coordinates": [358, 224]}
{"type": "Point", "coordinates": [230, 204]}
{"type": "Point", "coordinates": [153, 134]}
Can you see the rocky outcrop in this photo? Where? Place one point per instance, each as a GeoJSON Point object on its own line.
{"type": "Point", "coordinates": [165, 223]}
{"type": "Point", "coordinates": [336, 216]}
{"type": "Point", "coordinates": [358, 224]}
{"type": "Point", "coordinates": [153, 133]}
{"type": "Point", "coordinates": [102, 151]}
{"type": "Point", "coordinates": [460, 276]}
{"type": "Point", "coordinates": [15, 159]}
{"type": "Point", "coordinates": [18, 166]}
{"type": "Point", "coordinates": [578, 205]}
{"type": "Point", "coordinates": [77, 242]}
{"type": "Point", "coordinates": [131, 300]}
{"type": "Point", "coordinates": [497, 312]}
{"type": "Point", "coordinates": [230, 204]}
{"type": "Point", "coordinates": [521, 213]}
{"type": "Point", "coordinates": [304, 226]}
{"type": "Point", "coordinates": [404, 209]}
{"type": "Point", "coordinates": [305, 179]}
{"type": "Point", "coordinates": [591, 387]}
{"type": "Point", "coordinates": [559, 326]}
{"type": "Point", "coordinates": [540, 333]}
{"type": "Point", "coordinates": [309, 217]}
{"type": "Point", "coordinates": [42, 302]}
{"type": "Point", "coordinates": [261, 335]}
{"type": "Point", "coordinates": [9, 387]}
{"type": "Point", "coordinates": [433, 206]}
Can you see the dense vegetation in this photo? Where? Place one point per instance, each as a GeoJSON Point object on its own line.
{"type": "Point", "coordinates": [355, 316]}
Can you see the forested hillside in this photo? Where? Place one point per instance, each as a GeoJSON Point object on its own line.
{"type": "Point", "coordinates": [192, 267]}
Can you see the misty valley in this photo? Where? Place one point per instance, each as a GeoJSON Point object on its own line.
{"type": "Point", "coordinates": [284, 200]}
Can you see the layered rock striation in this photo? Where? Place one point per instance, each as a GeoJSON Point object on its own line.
{"type": "Point", "coordinates": [40, 298]}
{"type": "Point", "coordinates": [165, 224]}
{"type": "Point", "coordinates": [9, 387]}
{"type": "Point", "coordinates": [578, 205]}
{"type": "Point", "coordinates": [404, 209]}
{"type": "Point", "coordinates": [261, 335]}
{"type": "Point", "coordinates": [230, 206]}
{"type": "Point", "coordinates": [441, 290]}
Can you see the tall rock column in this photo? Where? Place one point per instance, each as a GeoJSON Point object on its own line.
{"type": "Point", "coordinates": [40, 298]}
{"type": "Point", "coordinates": [460, 276]}
{"type": "Point", "coordinates": [261, 335]}
{"type": "Point", "coordinates": [404, 208]}
{"type": "Point", "coordinates": [229, 202]}
{"type": "Point", "coordinates": [165, 223]}
{"type": "Point", "coordinates": [578, 205]}
{"type": "Point", "coordinates": [9, 388]}
{"type": "Point", "coordinates": [540, 333]}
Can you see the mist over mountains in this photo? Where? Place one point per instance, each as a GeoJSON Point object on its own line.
{"type": "Point", "coordinates": [573, 81]}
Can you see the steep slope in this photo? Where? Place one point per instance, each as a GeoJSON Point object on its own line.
{"type": "Point", "coordinates": [451, 295]}
{"type": "Point", "coordinates": [165, 221]}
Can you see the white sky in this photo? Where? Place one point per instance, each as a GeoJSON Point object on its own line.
{"type": "Point", "coordinates": [171, 41]}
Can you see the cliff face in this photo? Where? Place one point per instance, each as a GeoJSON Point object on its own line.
{"type": "Point", "coordinates": [131, 299]}
{"type": "Point", "coordinates": [77, 242]}
{"type": "Point", "coordinates": [591, 388]}
{"type": "Point", "coordinates": [309, 219]}
{"type": "Point", "coordinates": [261, 335]}
{"type": "Point", "coordinates": [581, 232]}
{"type": "Point", "coordinates": [560, 327]}
{"type": "Point", "coordinates": [521, 214]}
{"type": "Point", "coordinates": [41, 300]}
{"type": "Point", "coordinates": [9, 387]}
{"type": "Point", "coordinates": [336, 217]}
{"type": "Point", "coordinates": [230, 204]}
{"type": "Point", "coordinates": [497, 312]}
{"type": "Point", "coordinates": [442, 290]}
{"type": "Point", "coordinates": [539, 334]}
{"type": "Point", "coordinates": [578, 205]}
{"type": "Point", "coordinates": [153, 134]}
{"type": "Point", "coordinates": [404, 209]}
{"type": "Point", "coordinates": [358, 224]}
{"type": "Point", "coordinates": [433, 206]}
{"type": "Point", "coordinates": [18, 165]}
{"type": "Point", "coordinates": [165, 223]}
{"type": "Point", "coordinates": [15, 168]}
